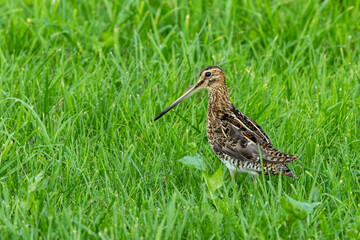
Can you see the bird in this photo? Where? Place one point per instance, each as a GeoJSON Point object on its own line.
{"type": "Point", "coordinates": [237, 140]}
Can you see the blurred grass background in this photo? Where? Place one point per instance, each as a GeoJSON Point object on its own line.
{"type": "Point", "coordinates": [81, 82]}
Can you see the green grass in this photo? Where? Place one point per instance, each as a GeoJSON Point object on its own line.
{"type": "Point", "coordinates": [81, 82]}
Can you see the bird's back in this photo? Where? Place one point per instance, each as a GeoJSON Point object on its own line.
{"type": "Point", "coordinates": [241, 143]}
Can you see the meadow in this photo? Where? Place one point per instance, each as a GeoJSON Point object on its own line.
{"type": "Point", "coordinates": [81, 82]}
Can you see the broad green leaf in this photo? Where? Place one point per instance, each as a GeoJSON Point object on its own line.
{"type": "Point", "coordinates": [214, 181]}
{"type": "Point", "coordinates": [298, 209]}
{"type": "Point", "coordinates": [194, 161]}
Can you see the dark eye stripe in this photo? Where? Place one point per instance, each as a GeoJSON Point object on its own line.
{"type": "Point", "coordinates": [208, 74]}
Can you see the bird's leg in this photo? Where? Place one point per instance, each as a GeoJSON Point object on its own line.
{"type": "Point", "coordinates": [255, 180]}
{"type": "Point", "coordinates": [232, 173]}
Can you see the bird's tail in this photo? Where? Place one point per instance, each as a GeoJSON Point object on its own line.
{"type": "Point", "coordinates": [287, 172]}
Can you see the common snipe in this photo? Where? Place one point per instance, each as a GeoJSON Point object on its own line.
{"type": "Point", "coordinates": [235, 138]}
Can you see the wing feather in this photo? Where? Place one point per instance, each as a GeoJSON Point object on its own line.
{"type": "Point", "coordinates": [250, 125]}
{"type": "Point", "coordinates": [247, 144]}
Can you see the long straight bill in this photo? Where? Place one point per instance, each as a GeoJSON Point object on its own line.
{"type": "Point", "coordinates": [179, 100]}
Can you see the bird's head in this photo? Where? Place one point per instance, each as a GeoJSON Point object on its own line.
{"type": "Point", "coordinates": [210, 78]}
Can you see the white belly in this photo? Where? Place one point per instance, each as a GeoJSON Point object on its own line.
{"type": "Point", "coordinates": [246, 168]}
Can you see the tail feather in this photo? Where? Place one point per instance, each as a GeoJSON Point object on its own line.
{"type": "Point", "coordinates": [287, 172]}
{"type": "Point", "coordinates": [291, 158]}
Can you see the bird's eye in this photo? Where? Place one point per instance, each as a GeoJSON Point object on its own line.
{"type": "Point", "coordinates": [208, 74]}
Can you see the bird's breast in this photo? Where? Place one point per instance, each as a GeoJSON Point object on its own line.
{"type": "Point", "coordinates": [216, 130]}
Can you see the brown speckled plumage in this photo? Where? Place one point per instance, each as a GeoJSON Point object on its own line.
{"type": "Point", "coordinates": [235, 138]}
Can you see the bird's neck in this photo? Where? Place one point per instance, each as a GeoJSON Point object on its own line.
{"type": "Point", "coordinates": [219, 101]}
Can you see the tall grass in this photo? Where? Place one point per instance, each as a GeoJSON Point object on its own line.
{"type": "Point", "coordinates": [81, 82]}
